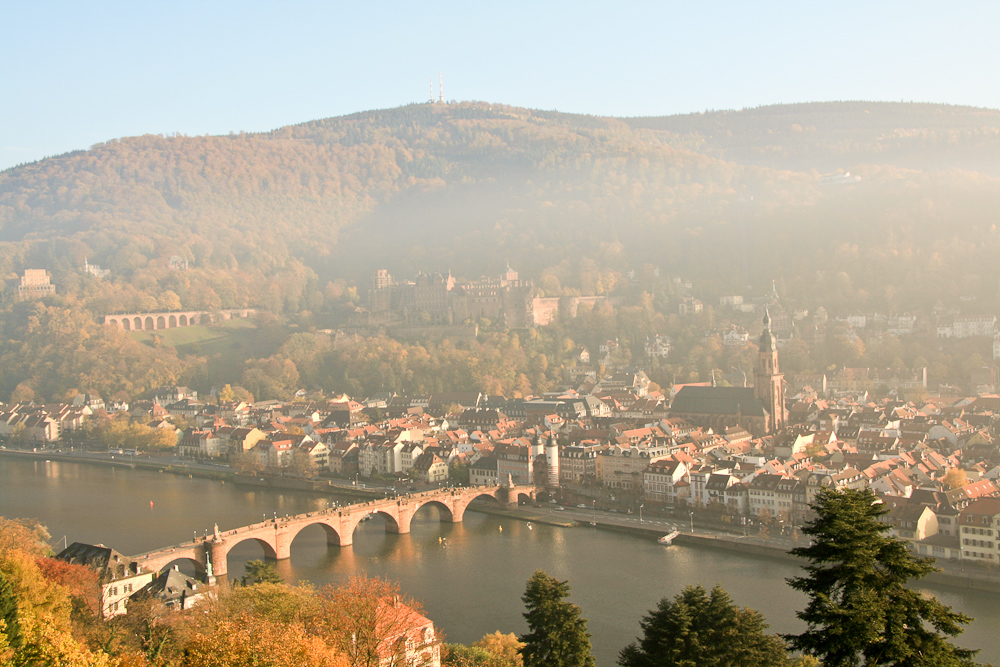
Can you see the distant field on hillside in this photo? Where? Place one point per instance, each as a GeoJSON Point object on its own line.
{"type": "Point", "coordinates": [203, 339]}
{"type": "Point", "coordinates": [225, 346]}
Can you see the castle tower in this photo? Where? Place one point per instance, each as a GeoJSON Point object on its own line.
{"type": "Point", "coordinates": [769, 381]}
{"type": "Point", "coordinates": [552, 461]}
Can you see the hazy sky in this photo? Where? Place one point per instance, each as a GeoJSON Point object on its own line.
{"type": "Point", "coordinates": [76, 73]}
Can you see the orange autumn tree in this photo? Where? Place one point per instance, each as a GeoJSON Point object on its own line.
{"type": "Point", "coordinates": [24, 535]}
{"type": "Point", "coordinates": [374, 625]}
{"type": "Point", "coordinates": [251, 641]}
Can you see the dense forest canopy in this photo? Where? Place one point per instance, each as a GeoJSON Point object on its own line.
{"type": "Point", "coordinates": [294, 220]}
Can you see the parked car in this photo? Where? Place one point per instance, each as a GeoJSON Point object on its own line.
{"type": "Point", "coordinates": [582, 506]}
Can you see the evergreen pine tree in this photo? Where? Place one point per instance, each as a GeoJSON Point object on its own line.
{"type": "Point", "coordinates": [703, 629]}
{"type": "Point", "coordinates": [259, 572]}
{"type": "Point", "coordinates": [557, 634]}
{"type": "Point", "coordinates": [860, 611]}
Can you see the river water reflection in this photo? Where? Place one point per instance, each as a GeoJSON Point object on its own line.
{"type": "Point", "coordinates": [469, 576]}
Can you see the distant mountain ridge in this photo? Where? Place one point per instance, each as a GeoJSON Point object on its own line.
{"type": "Point", "coordinates": [823, 134]}
{"type": "Point", "coordinates": [730, 198]}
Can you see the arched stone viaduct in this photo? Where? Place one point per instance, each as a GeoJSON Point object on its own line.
{"type": "Point", "coordinates": [172, 320]}
{"type": "Point", "coordinates": [276, 535]}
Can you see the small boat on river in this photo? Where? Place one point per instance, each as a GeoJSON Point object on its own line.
{"type": "Point", "coordinates": [668, 539]}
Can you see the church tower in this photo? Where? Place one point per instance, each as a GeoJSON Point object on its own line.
{"type": "Point", "coordinates": [769, 382]}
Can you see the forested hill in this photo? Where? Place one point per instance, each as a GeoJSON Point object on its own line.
{"type": "Point", "coordinates": [825, 136]}
{"type": "Point", "coordinates": [727, 198]}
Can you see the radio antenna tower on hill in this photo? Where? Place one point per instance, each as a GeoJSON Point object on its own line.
{"type": "Point", "coordinates": [441, 90]}
{"type": "Point", "coordinates": [430, 90]}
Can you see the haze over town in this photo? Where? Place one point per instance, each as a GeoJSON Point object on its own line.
{"type": "Point", "coordinates": [491, 288]}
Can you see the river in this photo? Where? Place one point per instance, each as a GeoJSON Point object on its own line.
{"type": "Point", "coordinates": [470, 583]}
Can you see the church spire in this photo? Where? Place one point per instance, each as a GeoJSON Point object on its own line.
{"type": "Point", "coordinates": [768, 343]}
{"type": "Point", "coordinates": [769, 382]}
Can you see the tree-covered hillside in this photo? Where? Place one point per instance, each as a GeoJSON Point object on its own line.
{"type": "Point", "coordinates": [294, 220]}
{"type": "Point", "coordinates": [470, 186]}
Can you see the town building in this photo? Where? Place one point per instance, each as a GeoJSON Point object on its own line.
{"type": "Point", "coordinates": [35, 284]}
{"type": "Point", "coordinates": [174, 589]}
{"type": "Point", "coordinates": [119, 576]}
{"type": "Point", "coordinates": [979, 526]}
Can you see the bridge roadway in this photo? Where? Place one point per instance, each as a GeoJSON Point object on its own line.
{"type": "Point", "coordinates": [209, 553]}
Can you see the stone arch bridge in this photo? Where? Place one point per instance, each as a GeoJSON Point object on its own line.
{"type": "Point", "coordinates": [209, 553]}
{"type": "Point", "coordinates": [172, 320]}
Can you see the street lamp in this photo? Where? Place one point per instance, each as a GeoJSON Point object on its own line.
{"type": "Point", "coordinates": [640, 512]}
{"type": "Point", "coordinates": [692, 520]}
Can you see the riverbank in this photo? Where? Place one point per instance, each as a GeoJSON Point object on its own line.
{"type": "Point", "coordinates": [952, 574]}
{"type": "Point", "coordinates": [206, 471]}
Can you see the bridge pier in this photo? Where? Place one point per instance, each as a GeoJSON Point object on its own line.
{"type": "Point", "coordinates": [404, 515]}
{"type": "Point", "coordinates": [219, 551]}
{"type": "Point", "coordinates": [334, 540]}
{"type": "Point", "coordinates": [282, 542]}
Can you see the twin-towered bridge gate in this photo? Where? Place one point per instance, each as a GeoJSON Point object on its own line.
{"type": "Point", "coordinates": [210, 553]}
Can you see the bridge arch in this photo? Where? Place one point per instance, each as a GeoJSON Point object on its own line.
{"type": "Point", "coordinates": [161, 323]}
{"type": "Point", "coordinates": [391, 522]}
{"type": "Point", "coordinates": [183, 320]}
{"type": "Point", "coordinates": [191, 561]}
{"type": "Point", "coordinates": [446, 513]}
{"type": "Point", "coordinates": [126, 324]}
{"type": "Point", "coordinates": [148, 324]}
{"type": "Point", "coordinates": [138, 323]}
{"type": "Point", "coordinates": [270, 550]}
{"type": "Point", "coordinates": [332, 535]}
{"type": "Point", "coordinates": [171, 321]}
{"type": "Point", "coordinates": [519, 495]}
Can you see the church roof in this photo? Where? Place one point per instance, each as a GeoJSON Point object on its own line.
{"type": "Point", "coordinates": [717, 401]}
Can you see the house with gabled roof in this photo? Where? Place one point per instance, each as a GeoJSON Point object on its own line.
{"type": "Point", "coordinates": [317, 451]}
{"type": "Point", "coordinates": [430, 468]}
{"type": "Point", "coordinates": [174, 590]}
{"type": "Point", "coordinates": [762, 491]}
{"type": "Point", "coordinates": [119, 576]}
{"type": "Point", "coordinates": [660, 480]}
{"type": "Point", "coordinates": [484, 472]}
{"type": "Point", "coordinates": [964, 496]}
{"type": "Point", "coordinates": [911, 522]}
